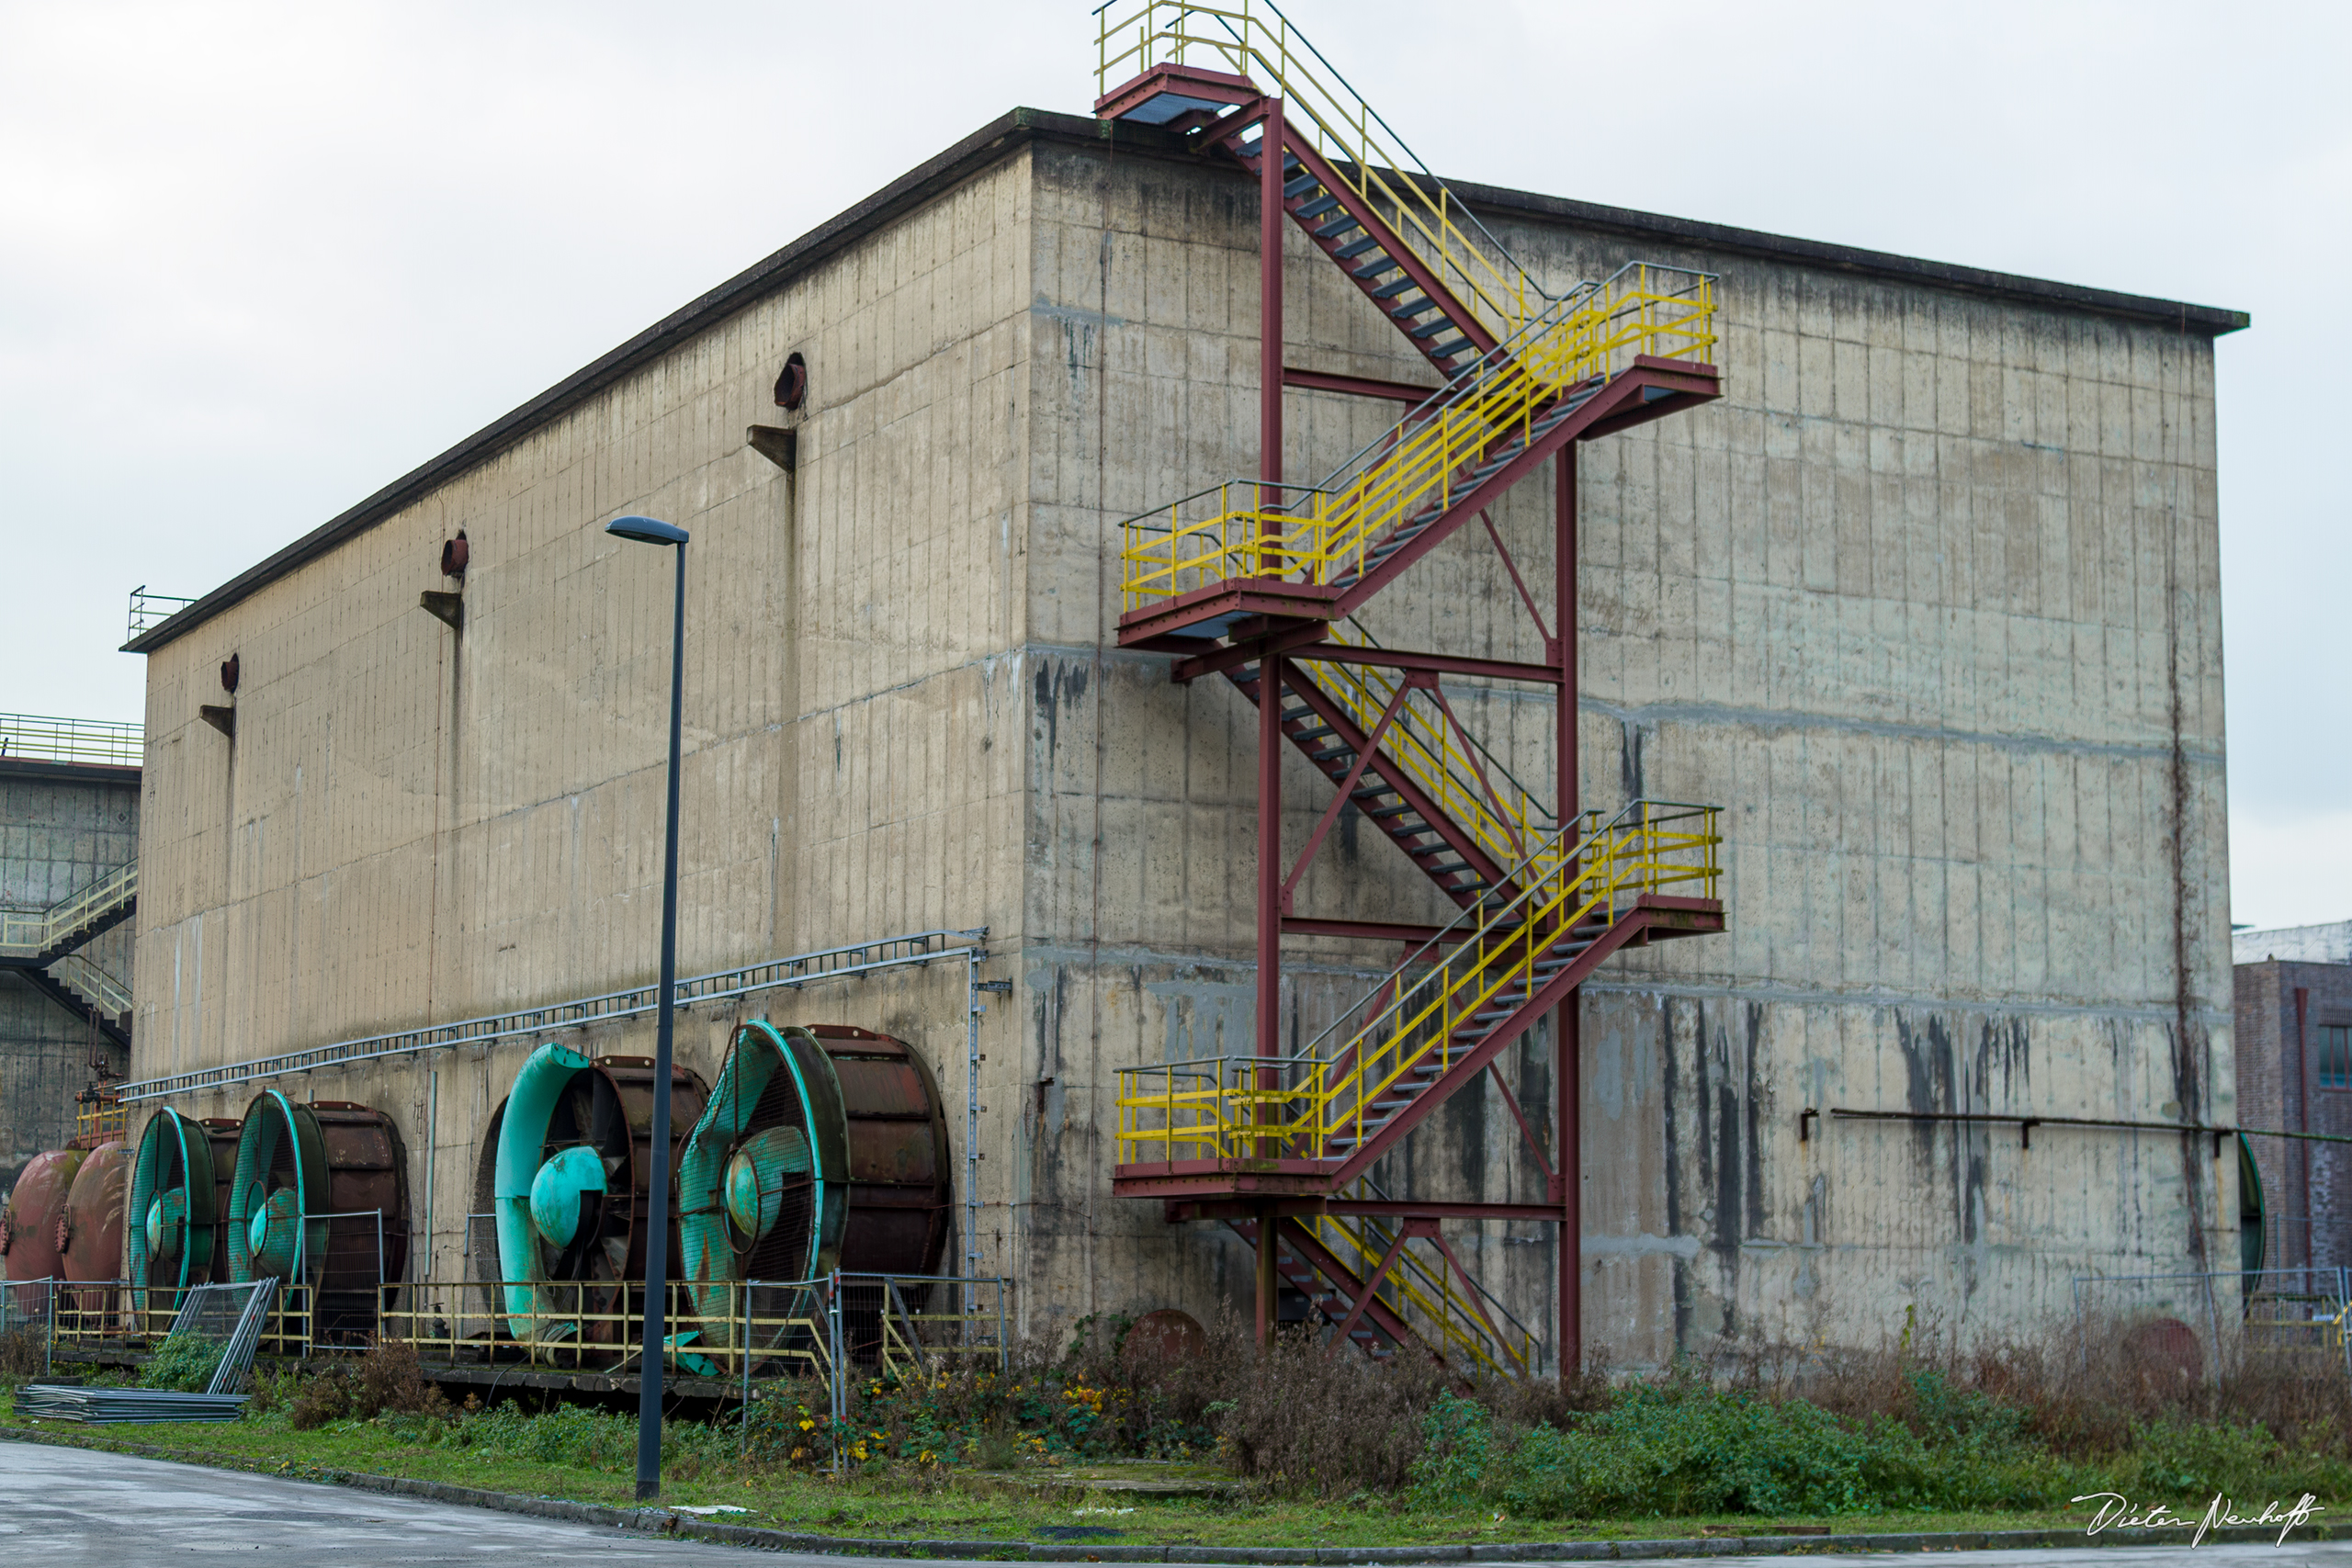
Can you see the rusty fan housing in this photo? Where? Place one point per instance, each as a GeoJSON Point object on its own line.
{"type": "Point", "coordinates": [28, 1245]}
{"type": "Point", "coordinates": [823, 1148]}
{"type": "Point", "coordinates": [315, 1186]}
{"type": "Point", "coordinates": [569, 1168]}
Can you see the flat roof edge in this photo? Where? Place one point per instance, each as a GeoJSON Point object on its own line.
{"type": "Point", "coordinates": [995, 141]}
{"type": "Point", "coordinates": [69, 773]}
{"type": "Point", "coordinates": [991, 142]}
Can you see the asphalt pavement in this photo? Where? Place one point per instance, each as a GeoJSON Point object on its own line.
{"type": "Point", "coordinates": [61, 1506]}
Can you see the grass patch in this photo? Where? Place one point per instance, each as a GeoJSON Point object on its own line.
{"type": "Point", "coordinates": [1313, 1449]}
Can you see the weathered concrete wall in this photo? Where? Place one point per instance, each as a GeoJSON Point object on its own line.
{"type": "Point", "coordinates": [413, 825]}
{"type": "Point", "coordinates": [1928, 603]}
{"type": "Point", "coordinates": [59, 832]}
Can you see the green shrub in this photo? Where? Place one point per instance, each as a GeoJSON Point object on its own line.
{"type": "Point", "coordinates": [184, 1362]}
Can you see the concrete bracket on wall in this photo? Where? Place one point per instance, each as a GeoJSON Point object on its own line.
{"type": "Point", "coordinates": [777, 445]}
{"type": "Point", "coordinates": [223, 719]}
{"type": "Point", "coordinates": [450, 607]}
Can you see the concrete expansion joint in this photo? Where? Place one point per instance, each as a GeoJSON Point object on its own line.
{"type": "Point", "coordinates": [665, 1521]}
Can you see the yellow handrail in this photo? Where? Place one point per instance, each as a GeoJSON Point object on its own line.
{"type": "Point", "coordinates": [1505, 821]}
{"type": "Point", "coordinates": [1254, 40]}
{"type": "Point", "coordinates": [1428, 1299]}
{"type": "Point", "coordinates": [26, 934]}
{"type": "Point", "coordinates": [1327, 533]}
{"type": "Point", "coordinates": [1325, 1102]}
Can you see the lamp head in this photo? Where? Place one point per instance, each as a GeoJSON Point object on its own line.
{"type": "Point", "coordinates": [646, 530]}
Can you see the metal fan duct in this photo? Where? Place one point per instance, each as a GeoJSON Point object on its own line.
{"type": "Point", "coordinates": [571, 1174]}
{"type": "Point", "coordinates": [173, 1214]}
{"type": "Point", "coordinates": [90, 1238]}
{"type": "Point", "coordinates": [319, 1198]}
{"type": "Point", "coordinates": [29, 1248]}
{"type": "Point", "coordinates": [823, 1148]}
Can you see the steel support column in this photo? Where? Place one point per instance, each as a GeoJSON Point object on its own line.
{"type": "Point", "coordinates": [1567, 1026]}
{"type": "Point", "coordinates": [1271, 217]}
{"type": "Point", "coordinates": [1267, 1017]}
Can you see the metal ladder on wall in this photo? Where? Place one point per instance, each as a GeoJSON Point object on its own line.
{"type": "Point", "coordinates": [1254, 573]}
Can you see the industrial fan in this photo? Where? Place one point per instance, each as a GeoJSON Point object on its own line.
{"type": "Point", "coordinates": [319, 1199]}
{"type": "Point", "coordinates": [571, 1179]}
{"type": "Point", "coordinates": [761, 1194]}
{"type": "Point", "coordinates": [89, 1233]}
{"type": "Point", "coordinates": [28, 1245]}
{"type": "Point", "coordinates": [280, 1181]}
{"type": "Point", "coordinates": [824, 1147]}
{"type": "Point", "coordinates": [173, 1214]}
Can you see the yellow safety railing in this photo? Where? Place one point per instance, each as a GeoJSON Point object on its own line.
{"type": "Point", "coordinates": [27, 934]}
{"type": "Point", "coordinates": [1471, 788]}
{"type": "Point", "coordinates": [110, 994]}
{"type": "Point", "coordinates": [1324, 1103]}
{"type": "Point", "coordinates": [1327, 533]}
{"type": "Point", "coordinates": [48, 738]}
{"type": "Point", "coordinates": [1430, 1300]}
{"type": "Point", "coordinates": [1253, 39]}
{"type": "Point", "coordinates": [104, 1120]}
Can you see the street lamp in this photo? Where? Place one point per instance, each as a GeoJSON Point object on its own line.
{"type": "Point", "coordinates": [651, 1357]}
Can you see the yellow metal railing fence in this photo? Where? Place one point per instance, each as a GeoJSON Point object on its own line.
{"type": "Point", "coordinates": [1328, 532]}
{"type": "Point", "coordinates": [1324, 1103]}
{"type": "Point", "coordinates": [1462, 780]}
{"type": "Point", "coordinates": [46, 739]}
{"type": "Point", "coordinates": [1466, 1332]}
{"type": "Point", "coordinates": [102, 1121]}
{"type": "Point", "coordinates": [24, 934]}
{"type": "Point", "coordinates": [1253, 39]}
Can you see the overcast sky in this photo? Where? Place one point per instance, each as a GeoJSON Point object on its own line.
{"type": "Point", "coordinates": [256, 260]}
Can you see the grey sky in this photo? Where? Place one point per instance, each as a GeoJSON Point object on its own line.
{"type": "Point", "coordinates": [258, 259]}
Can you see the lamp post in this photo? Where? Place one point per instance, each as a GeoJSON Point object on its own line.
{"type": "Point", "coordinates": [651, 1359]}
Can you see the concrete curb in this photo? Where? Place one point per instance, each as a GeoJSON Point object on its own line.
{"type": "Point", "coordinates": [662, 1521]}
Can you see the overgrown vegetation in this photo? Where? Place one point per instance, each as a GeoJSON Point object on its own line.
{"type": "Point", "coordinates": [1919, 1428]}
{"type": "Point", "coordinates": [184, 1362]}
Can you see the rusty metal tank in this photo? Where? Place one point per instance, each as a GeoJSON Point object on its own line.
{"type": "Point", "coordinates": [824, 1146]}
{"type": "Point", "coordinates": [89, 1233]}
{"type": "Point", "coordinates": [319, 1198]}
{"type": "Point", "coordinates": [28, 1248]}
{"type": "Point", "coordinates": [569, 1167]}
{"type": "Point", "coordinates": [179, 1208]}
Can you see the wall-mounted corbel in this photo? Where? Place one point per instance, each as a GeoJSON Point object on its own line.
{"type": "Point", "coordinates": [223, 719]}
{"type": "Point", "coordinates": [449, 605]}
{"type": "Point", "coordinates": [777, 445]}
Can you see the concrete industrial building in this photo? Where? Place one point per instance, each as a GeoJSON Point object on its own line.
{"type": "Point", "coordinates": [69, 838]}
{"type": "Point", "coordinates": [1927, 601]}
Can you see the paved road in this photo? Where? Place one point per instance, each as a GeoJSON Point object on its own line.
{"type": "Point", "coordinates": [73, 1505]}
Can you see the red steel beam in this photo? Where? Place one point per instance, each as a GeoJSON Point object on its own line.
{"type": "Point", "coordinates": [1178, 1210]}
{"type": "Point", "coordinates": [1216, 661]}
{"type": "Point", "coordinates": [1401, 783]}
{"type": "Point", "coordinates": [1440, 663]}
{"type": "Point", "coordinates": [1357, 386]}
{"type": "Point", "coordinates": [1299, 1239]}
{"type": "Point", "coordinates": [1371, 1291]}
{"type": "Point", "coordinates": [1339, 798]}
{"type": "Point", "coordinates": [1396, 249]}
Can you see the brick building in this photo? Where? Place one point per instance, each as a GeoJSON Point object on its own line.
{"type": "Point", "coordinates": [2294, 1074]}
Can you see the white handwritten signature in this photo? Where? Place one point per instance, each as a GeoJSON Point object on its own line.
{"type": "Point", "coordinates": [2116, 1512]}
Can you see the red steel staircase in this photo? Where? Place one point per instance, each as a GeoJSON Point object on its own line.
{"type": "Point", "coordinates": [1261, 580]}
